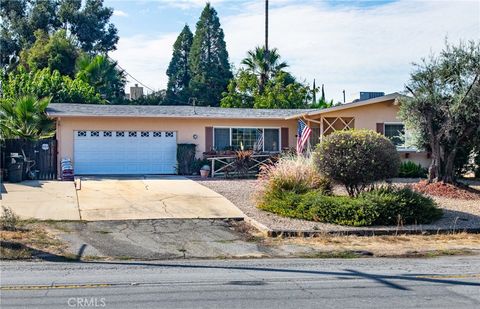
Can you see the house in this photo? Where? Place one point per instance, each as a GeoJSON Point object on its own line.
{"type": "Point", "coordinates": [138, 139]}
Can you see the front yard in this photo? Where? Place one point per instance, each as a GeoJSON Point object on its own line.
{"type": "Point", "coordinates": [458, 214]}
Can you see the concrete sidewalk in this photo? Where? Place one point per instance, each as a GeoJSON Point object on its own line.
{"type": "Point", "coordinates": [119, 198]}
{"type": "Point", "coordinates": [41, 199]}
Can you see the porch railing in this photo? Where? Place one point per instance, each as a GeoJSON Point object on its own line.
{"type": "Point", "coordinates": [225, 165]}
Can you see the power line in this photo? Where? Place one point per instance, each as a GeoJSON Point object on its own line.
{"type": "Point", "coordinates": [116, 63]}
{"type": "Point", "coordinates": [191, 99]}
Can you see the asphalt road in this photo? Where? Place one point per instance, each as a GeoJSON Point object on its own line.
{"type": "Point", "coordinates": [450, 282]}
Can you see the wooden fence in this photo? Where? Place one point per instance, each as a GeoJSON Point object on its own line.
{"type": "Point", "coordinates": [43, 153]}
{"type": "Point", "coordinates": [224, 166]}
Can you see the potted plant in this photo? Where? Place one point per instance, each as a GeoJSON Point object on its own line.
{"type": "Point", "coordinates": [204, 171]}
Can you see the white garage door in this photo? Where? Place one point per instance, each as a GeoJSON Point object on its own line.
{"type": "Point", "coordinates": [125, 152]}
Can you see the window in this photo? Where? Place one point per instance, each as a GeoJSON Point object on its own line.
{"type": "Point", "coordinates": [257, 139]}
{"type": "Point", "coordinates": [132, 134]}
{"type": "Point", "coordinates": [396, 133]}
{"type": "Point", "coordinates": [271, 137]}
{"type": "Point", "coordinates": [157, 134]}
{"type": "Point", "coordinates": [94, 133]}
{"type": "Point", "coordinates": [144, 134]}
{"type": "Point", "coordinates": [247, 138]}
{"type": "Point", "coordinates": [169, 134]}
{"type": "Point", "coordinates": [107, 133]}
{"type": "Point", "coordinates": [119, 134]}
{"type": "Point", "coordinates": [222, 138]}
{"type": "Point", "coordinates": [82, 133]}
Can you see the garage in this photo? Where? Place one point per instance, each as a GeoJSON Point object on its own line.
{"type": "Point", "coordinates": [99, 152]}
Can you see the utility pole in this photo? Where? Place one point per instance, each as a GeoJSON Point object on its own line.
{"type": "Point", "coordinates": [194, 101]}
{"type": "Point", "coordinates": [343, 95]}
{"type": "Point", "coordinates": [266, 26]}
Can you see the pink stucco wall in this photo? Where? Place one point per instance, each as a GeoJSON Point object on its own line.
{"type": "Point", "coordinates": [185, 128]}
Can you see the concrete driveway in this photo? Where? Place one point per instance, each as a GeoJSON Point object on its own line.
{"type": "Point", "coordinates": [172, 197]}
{"type": "Point", "coordinates": [126, 198]}
{"type": "Point", "coordinates": [41, 199]}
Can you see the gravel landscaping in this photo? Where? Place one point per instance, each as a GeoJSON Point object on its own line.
{"type": "Point", "coordinates": [459, 215]}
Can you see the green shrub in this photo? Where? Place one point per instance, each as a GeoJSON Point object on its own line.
{"type": "Point", "coordinates": [381, 206]}
{"type": "Point", "coordinates": [342, 210]}
{"type": "Point", "coordinates": [292, 173]}
{"type": "Point", "coordinates": [283, 203]}
{"type": "Point", "coordinates": [408, 169]}
{"type": "Point", "coordinates": [401, 205]}
{"type": "Point", "coordinates": [356, 158]}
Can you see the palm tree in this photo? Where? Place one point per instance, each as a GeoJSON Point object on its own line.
{"type": "Point", "coordinates": [102, 74]}
{"type": "Point", "coordinates": [264, 65]}
{"type": "Point", "coordinates": [25, 118]}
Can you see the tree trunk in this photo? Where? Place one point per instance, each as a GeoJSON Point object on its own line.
{"type": "Point", "coordinates": [262, 82]}
{"type": "Point", "coordinates": [449, 172]}
{"type": "Point", "coordinates": [434, 171]}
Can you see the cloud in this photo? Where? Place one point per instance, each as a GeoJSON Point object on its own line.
{"type": "Point", "coordinates": [119, 13]}
{"type": "Point", "coordinates": [146, 58]}
{"type": "Point", "coordinates": [188, 4]}
{"type": "Point", "coordinates": [343, 47]}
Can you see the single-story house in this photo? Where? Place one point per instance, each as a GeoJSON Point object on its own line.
{"type": "Point", "coordinates": [133, 139]}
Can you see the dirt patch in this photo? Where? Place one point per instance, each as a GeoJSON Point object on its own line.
{"type": "Point", "coordinates": [31, 240]}
{"type": "Point", "coordinates": [446, 190]}
{"type": "Point", "coordinates": [390, 246]}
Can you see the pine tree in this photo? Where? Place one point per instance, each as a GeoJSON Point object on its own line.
{"type": "Point", "coordinates": [209, 67]}
{"type": "Point", "coordinates": [178, 72]}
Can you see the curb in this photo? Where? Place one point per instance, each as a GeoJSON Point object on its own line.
{"type": "Point", "coordinates": [259, 226]}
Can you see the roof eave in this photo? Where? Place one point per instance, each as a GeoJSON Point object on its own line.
{"type": "Point", "coordinates": [345, 106]}
{"type": "Point", "coordinates": [161, 116]}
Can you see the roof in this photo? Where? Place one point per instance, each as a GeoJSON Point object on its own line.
{"type": "Point", "coordinates": [389, 97]}
{"type": "Point", "coordinates": [57, 110]}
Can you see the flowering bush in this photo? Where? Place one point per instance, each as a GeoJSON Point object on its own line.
{"type": "Point", "coordinates": [356, 158]}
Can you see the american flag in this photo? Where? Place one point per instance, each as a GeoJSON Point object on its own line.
{"type": "Point", "coordinates": [303, 133]}
{"type": "Point", "coordinates": [259, 144]}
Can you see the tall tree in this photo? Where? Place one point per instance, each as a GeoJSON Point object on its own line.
{"type": "Point", "coordinates": [281, 91]}
{"type": "Point", "coordinates": [178, 72]}
{"type": "Point", "coordinates": [45, 83]}
{"type": "Point", "coordinates": [209, 66]}
{"type": "Point", "coordinates": [88, 25]}
{"type": "Point", "coordinates": [91, 27]}
{"type": "Point", "coordinates": [102, 74]}
{"type": "Point", "coordinates": [444, 112]}
{"type": "Point", "coordinates": [263, 64]}
{"type": "Point", "coordinates": [20, 19]}
{"type": "Point", "coordinates": [57, 52]}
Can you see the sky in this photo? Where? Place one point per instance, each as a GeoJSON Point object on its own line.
{"type": "Point", "coordinates": [345, 45]}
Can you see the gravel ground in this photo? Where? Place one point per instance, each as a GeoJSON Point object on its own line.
{"type": "Point", "coordinates": [458, 214]}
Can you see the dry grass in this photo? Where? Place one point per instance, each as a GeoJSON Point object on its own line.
{"type": "Point", "coordinates": [391, 246]}
{"type": "Point", "coordinates": [30, 240]}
